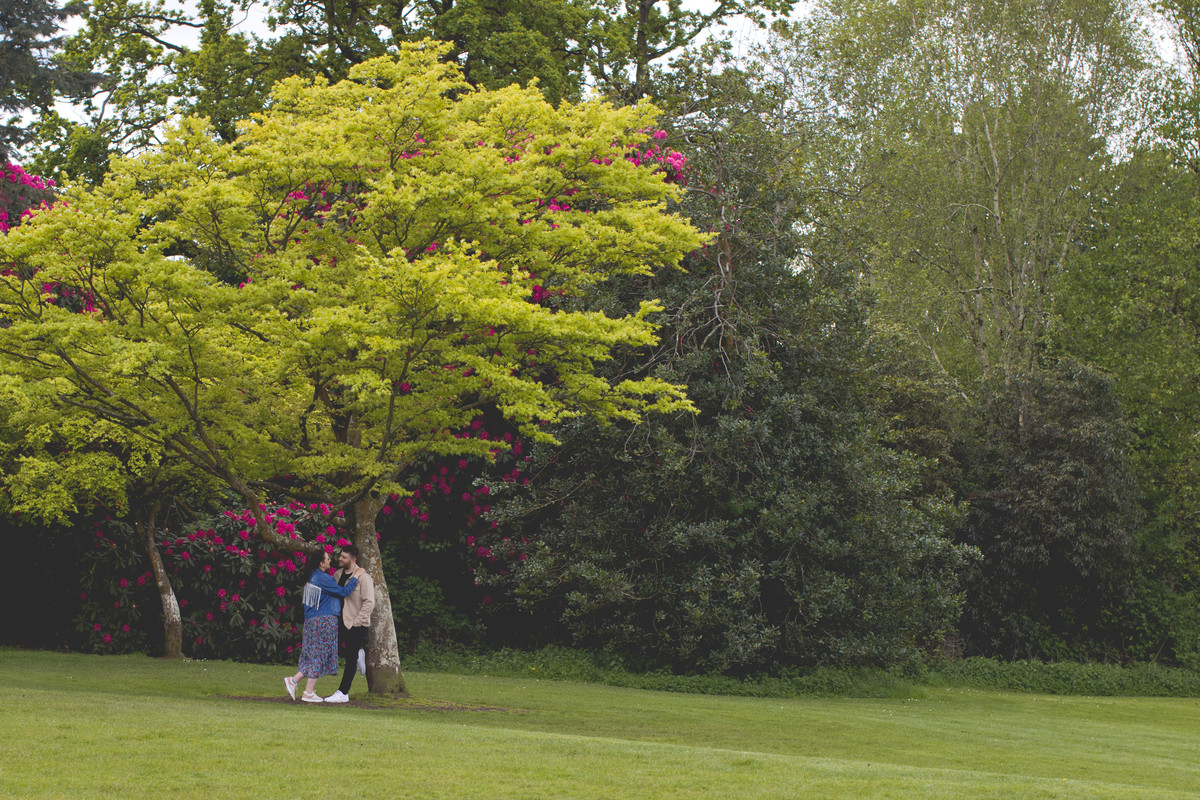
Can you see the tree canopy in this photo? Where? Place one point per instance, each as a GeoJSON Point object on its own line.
{"type": "Point", "coordinates": [376, 261]}
{"type": "Point", "coordinates": [30, 81]}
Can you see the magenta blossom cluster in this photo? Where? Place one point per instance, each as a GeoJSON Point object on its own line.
{"type": "Point", "coordinates": [21, 195]}
{"type": "Point", "coordinates": [670, 162]}
{"type": "Point", "coordinates": [440, 513]}
{"type": "Point", "coordinates": [238, 596]}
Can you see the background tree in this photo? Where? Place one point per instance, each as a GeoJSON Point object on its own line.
{"type": "Point", "coordinates": [773, 528]}
{"type": "Point", "coordinates": [30, 80]}
{"type": "Point", "coordinates": [153, 73]}
{"type": "Point", "coordinates": [376, 243]}
{"type": "Point", "coordinates": [972, 140]}
{"type": "Point", "coordinates": [1129, 307]}
{"type": "Point", "coordinates": [978, 133]}
{"type": "Point", "coordinates": [1054, 510]}
{"type": "Point", "coordinates": [157, 71]}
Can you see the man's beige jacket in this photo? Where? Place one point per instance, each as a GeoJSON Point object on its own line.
{"type": "Point", "coordinates": [356, 609]}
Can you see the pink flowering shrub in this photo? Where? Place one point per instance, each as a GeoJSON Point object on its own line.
{"type": "Point", "coordinates": [238, 598]}
{"type": "Point", "coordinates": [439, 538]}
{"type": "Point", "coordinates": [21, 194]}
{"type": "Point", "coordinates": [671, 163]}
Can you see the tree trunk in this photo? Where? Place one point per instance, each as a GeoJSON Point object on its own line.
{"type": "Point", "coordinates": [383, 650]}
{"type": "Point", "coordinates": [641, 75]}
{"type": "Point", "coordinates": [172, 619]}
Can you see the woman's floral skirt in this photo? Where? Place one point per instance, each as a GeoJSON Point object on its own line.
{"type": "Point", "coordinates": [318, 654]}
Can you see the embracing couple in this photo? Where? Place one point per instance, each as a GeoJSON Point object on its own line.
{"type": "Point", "coordinates": [326, 617]}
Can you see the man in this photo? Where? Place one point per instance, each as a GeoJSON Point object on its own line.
{"type": "Point", "coordinates": [356, 619]}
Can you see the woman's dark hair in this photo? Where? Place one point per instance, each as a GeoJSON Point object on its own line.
{"type": "Point", "coordinates": [313, 562]}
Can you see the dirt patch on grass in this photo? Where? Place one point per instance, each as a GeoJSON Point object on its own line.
{"type": "Point", "coordinates": [383, 703]}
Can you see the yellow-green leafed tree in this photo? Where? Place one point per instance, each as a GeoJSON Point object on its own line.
{"type": "Point", "coordinates": [313, 308]}
{"type": "Point", "coordinates": [59, 464]}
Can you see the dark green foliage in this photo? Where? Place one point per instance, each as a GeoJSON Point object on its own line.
{"type": "Point", "coordinates": [1159, 619]}
{"type": "Point", "coordinates": [1067, 678]}
{"type": "Point", "coordinates": [516, 41]}
{"type": "Point", "coordinates": [29, 78]}
{"type": "Point", "coordinates": [48, 579]}
{"type": "Point", "coordinates": [773, 527]}
{"type": "Point", "coordinates": [423, 612]}
{"type": "Point", "coordinates": [1132, 308]}
{"type": "Point", "coordinates": [1054, 510]}
{"type": "Point", "coordinates": [556, 663]}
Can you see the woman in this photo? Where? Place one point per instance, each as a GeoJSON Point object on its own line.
{"type": "Point", "coordinates": [322, 608]}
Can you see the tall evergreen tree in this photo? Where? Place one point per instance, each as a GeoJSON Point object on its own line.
{"type": "Point", "coordinates": [30, 79]}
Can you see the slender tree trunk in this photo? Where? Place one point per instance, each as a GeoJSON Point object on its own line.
{"type": "Point", "coordinates": [641, 75]}
{"type": "Point", "coordinates": [172, 619]}
{"type": "Point", "coordinates": [383, 649]}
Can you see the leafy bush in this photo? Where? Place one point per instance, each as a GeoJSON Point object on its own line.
{"type": "Point", "coordinates": [557, 663]}
{"type": "Point", "coordinates": [238, 599]}
{"type": "Point", "coordinates": [773, 528]}
{"type": "Point", "coordinates": [1106, 680]}
{"type": "Point", "coordinates": [1054, 511]}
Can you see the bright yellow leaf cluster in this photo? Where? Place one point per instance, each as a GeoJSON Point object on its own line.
{"type": "Point", "coordinates": [351, 282]}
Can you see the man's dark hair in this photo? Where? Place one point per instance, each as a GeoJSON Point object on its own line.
{"type": "Point", "coordinates": [352, 549]}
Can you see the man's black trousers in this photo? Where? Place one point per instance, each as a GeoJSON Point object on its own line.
{"type": "Point", "coordinates": [353, 639]}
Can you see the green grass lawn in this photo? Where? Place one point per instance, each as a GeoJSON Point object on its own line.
{"type": "Point", "coordinates": [75, 726]}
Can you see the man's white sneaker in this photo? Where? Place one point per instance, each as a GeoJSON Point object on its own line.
{"type": "Point", "coordinates": [289, 683]}
{"type": "Point", "coordinates": [362, 663]}
{"type": "Point", "coordinates": [312, 697]}
{"type": "Point", "coordinates": [337, 697]}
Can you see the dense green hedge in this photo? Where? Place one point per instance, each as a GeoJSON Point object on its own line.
{"type": "Point", "coordinates": [554, 663]}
